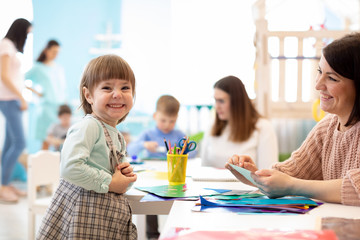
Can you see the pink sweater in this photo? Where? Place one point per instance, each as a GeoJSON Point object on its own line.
{"type": "Point", "coordinates": [328, 154]}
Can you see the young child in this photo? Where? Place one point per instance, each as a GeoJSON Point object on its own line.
{"type": "Point", "coordinates": [57, 132]}
{"type": "Point", "coordinates": [89, 202]}
{"type": "Point", "coordinates": [152, 140]}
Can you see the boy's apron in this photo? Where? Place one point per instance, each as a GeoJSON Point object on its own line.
{"type": "Point", "coordinates": [76, 213]}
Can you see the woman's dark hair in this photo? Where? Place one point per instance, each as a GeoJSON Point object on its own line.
{"type": "Point", "coordinates": [343, 56]}
{"type": "Point", "coordinates": [18, 32]}
{"type": "Point", "coordinates": [50, 44]}
{"type": "Point", "coordinates": [243, 115]}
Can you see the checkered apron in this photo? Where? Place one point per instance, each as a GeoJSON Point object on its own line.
{"type": "Point", "coordinates": [76, 213]}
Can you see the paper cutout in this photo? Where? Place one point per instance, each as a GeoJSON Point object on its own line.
{"type": "Point", "coordinates": [246, 173]}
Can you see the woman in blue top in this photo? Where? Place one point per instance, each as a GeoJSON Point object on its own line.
{"type": "Point", "coordinates": [50, 78]}
{"type": "Point", "coordinates": [89, 202]}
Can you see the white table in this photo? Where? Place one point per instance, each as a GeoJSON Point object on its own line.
{"type": "Point", "coordinates": [147, 178]}
{"type": "Point", "coordinates": [182, 216]}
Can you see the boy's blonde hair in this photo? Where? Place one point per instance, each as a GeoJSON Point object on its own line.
{"type": "Point", "coordinates": [168, 105]}
{"type": "Point", "coordinates": [104, 68]}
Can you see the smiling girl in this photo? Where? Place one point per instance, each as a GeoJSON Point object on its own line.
{"type": "Point", "coordinates": [89, 202]}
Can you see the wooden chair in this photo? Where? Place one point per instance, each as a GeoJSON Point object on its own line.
{"type": "Point", "coordinates": [43, 169]}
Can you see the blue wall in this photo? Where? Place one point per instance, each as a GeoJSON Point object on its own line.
{"type": "Point", "coordinates": [74, 24]}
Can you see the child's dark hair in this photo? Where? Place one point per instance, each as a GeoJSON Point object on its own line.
{"type": "Point", "coordinates": [50, 44]}
{"type": "Point", "coordinates": [168, 105]}
{"type": "Point", "coordinates": [104, 68]}
{"type": "Point", "coordinates": [64, 109]}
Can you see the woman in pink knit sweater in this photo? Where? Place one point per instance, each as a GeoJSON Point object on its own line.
{"type": "Point", "coordinates": [327, 164]}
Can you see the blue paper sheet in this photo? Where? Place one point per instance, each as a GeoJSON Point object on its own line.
{"type": "Point", "coordinates": [289, 205]}
{"type": "Point", "coordinates": [246, 173]}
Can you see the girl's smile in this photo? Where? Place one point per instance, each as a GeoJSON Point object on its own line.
{"type": "Point", "coordinates": [110, 100]}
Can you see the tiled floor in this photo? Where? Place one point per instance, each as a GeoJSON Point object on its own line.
{"type": "Point", "coordinates": [14, 217]}
{"type": "Point", "coordinates": [13, 221]}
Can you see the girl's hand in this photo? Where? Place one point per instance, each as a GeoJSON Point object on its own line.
{"type": "Point", "coordinates": [126, 169]}
{"type": "Point", "coordinates": [120, 182]}
{"type": "Point", "coordinates": [274, 183]}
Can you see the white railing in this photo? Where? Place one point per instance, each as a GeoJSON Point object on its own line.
{"type": "Point", "coordinates": [293, 65]}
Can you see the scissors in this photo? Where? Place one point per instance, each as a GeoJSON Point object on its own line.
{"type": "Point", "coordinates": [190, 146]}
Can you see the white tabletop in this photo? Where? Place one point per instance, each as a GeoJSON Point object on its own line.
{"type": "Point", "coordinates": [181, 215]}
{"type": "Point", "coordinates": [149, 178]}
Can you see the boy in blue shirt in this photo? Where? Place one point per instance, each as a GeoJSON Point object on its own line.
{"type": "Point", "coordinates": [151, 143]}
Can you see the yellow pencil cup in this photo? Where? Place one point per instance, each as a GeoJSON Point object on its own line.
{"type": "Point", "coordinates": [176, 168]}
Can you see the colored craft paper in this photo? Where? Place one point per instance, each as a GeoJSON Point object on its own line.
{"type": "Point", "coordinates": [236, 197]}
{"type": "Point", "coordinates": [255, 205]}
{"type": "Point", "coordinates": [246, 173]}
{"type": "Point", "coordinates": [154, 198]}
{"type": "Point", "coordinates": [270, 201]}
{"type": "Point", "coordinates": [180, 190]}
{"type": "Point", "coordinates": [240, 210]}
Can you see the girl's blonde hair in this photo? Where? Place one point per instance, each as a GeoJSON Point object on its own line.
{"type": "Point", "coordinates": [104, 68]}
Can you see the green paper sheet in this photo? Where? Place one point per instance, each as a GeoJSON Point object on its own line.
{"type": "Point", "coordinates": [177, 191]}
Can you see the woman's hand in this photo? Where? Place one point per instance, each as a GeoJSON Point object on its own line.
{"type": "Point", "coordinates": [244, 162]}
{"type": "Point", "coordinates": [23, 104]}
{"type": "Point", "coordinates": [274, 183]}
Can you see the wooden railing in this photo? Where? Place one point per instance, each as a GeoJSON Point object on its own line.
{"type": "Point", "coordinates": [273, 74]}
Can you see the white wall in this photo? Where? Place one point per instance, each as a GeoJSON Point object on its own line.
{"type": "Point", "coordinates": [182, 47]}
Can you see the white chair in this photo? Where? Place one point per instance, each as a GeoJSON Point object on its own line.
{"type": "Point", "coordinates": [43, 169]}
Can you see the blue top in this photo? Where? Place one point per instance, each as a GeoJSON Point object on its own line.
{"type": "Point", "coordinates": [137, 147]}
{"type": "Point", "coordinates": [46, 113]}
